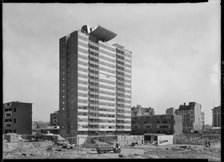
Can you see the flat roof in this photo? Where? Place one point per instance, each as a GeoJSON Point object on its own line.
{"type": "Point", "coordinates": [17, 102]}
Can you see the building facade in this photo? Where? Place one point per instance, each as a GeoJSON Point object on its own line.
{"type": "Point", "coordinates": [17, 117]}
{"type": "Point", "coordinates": [54, 118]}
{"type": "Point", "coordinates": [161, 124]}
{"type": "Point", "coordinates": [170, 111]}
{"type": "Point", "coordinates": [191, 116]}
{"type": "Point", "coordinates": [216, 116]}
{"type": "Point", "coordinates": [95, 84]}
{"type": "Point", "coordinates": [140, 111]}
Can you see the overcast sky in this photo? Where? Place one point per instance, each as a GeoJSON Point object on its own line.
{"type": "Point", "coordinates": [175, 59]}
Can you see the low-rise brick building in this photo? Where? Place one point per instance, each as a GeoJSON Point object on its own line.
{"type": "Point", "coordinates": [164, 124]}
{"type": "Point", "coordinates": [17, 117]}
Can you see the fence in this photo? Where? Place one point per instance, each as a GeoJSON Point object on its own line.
{"type": "Point", "coordinates": [196, 139]}
{"type": "Point", "coordinates": [88, 141]}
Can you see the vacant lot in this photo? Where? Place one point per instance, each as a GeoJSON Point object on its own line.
{"type": "Point", "coordinates": [45, 150]}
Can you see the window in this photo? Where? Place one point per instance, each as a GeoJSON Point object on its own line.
{"type": "Point", "coordinates": [8, 109]}
{"type": "Point", "coordinates": [14, 109]}
{"type": "Point", "coordinates": [8, 120]}
{"type": "Point", "coordinates": [8, 125]}
{"type": "Point", "coordinates": [14, 131]}
{"type": "Point", "coordinates": [14, 120]}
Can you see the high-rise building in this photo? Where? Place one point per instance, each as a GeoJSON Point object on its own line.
{"type": "Point", "coordinates": [139, 111]}
{"type": "Point", "coordinates": [95, 84]}
{"type": "Point", "coordinates": [191, 115]}
{"type": "Point", "coordinates": [54, 118]}
{"type": "Point", "coordinates": [216, 116]}
{"type": "Point", "coordinates": [17, 117]}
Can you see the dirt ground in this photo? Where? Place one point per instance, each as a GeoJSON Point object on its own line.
{"type": "Point", "coordinates": [45, 150]}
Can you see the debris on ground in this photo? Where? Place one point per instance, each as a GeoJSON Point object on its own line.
{"type": "Point", "coordinates": [120, 155]}
{"type": "Point", "coordinates": [185, 147]}
{"type": "Point", "coordinates": [45, 150]}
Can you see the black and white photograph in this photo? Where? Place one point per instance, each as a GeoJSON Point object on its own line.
{"type": "Point", "coordinates": [112, 80]}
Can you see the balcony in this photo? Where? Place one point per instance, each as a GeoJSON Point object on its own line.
{"type": "Point", "coordinates": [82, 110]}
{"type": "Point", "coordinates": [82, 116]}
{"type": "Point", "coordinates": [120, 113]}
{"type": "Point", "coordinates": [94, 86]}
{"type": "Point", "coordinates": [83, 122]}
{"type": "Point", "coordinates": [120, 58]}
{"type": "Point", "coordinates": [93, 62]}
{"type": "Point", "coordinates": [107, 129]}
{"type": "Point", "coordinates": [120, 74]}
{"type": "Point", "coordinates": [92, 55]}
{"type": "Point", "coordinates": [124, 118]}
{"type": "Point", "coordinates": [93, 129]}
{"type": "Point", "coordinates": [82, 129]}
{"type": "Point", "coordinates": [94, 123]}
{"type": "Point", "coordinates": [93, 111]}
{"type": "Point", "coordinates": [94, 68]}
{"type": "Point", "coordinates": [94, 80]}
{"type": "Point", "coordinates": [93, 104]}
{"type": "Point", "coordinates": [94, 75]}
{"type": "Point", "coordinates": [93, 117]}
{"type": "Point", "coordinates": [93, 47]}
{"type": "Point", "coordinates": [93, 93]}
{"type": "Point", "coordinates": [124, 124]}
{"type": "Point", "coordinates": [123, 129]}
{"type": "Point", "coordinates": [120, 97]}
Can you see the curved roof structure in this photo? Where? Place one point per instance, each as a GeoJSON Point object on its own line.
{"type": "Point", "coordinates": [103, 34]}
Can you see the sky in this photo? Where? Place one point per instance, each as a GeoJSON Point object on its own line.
{"type": "Point", "coordinates": [175, 51]}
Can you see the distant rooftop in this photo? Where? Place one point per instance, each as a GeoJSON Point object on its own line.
{"type": "Point", "coordinates": [218, 107]}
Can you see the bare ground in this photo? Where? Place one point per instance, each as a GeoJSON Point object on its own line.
{"type": "Point", "coordinates": [45, 150]}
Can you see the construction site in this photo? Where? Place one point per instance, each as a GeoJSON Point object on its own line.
{"type": "Point", "coordinates": [148, 146]}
